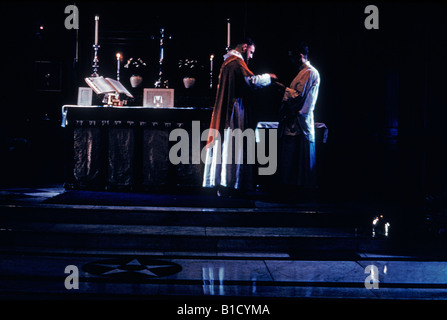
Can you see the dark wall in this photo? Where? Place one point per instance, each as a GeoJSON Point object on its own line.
{"type": "Point", "coordinates": [381, 92]}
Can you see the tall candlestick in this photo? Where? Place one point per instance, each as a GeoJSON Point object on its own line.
{"type": "Point", "coordinates": [118, 58]}
{"type": "Point", "coordinates": [96, 29]}
{"type": "Point", "coordinates": [96, 47]}
{"type": "Point", "coordinates": [211, 71]}
{"type": "Point", "coordinates": [228, 33]}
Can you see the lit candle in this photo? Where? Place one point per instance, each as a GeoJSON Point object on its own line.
{"type": "Point", "coordinates": [118, 58]}
{"type": "Point", "coordinates": [228, 33]}
{"type": "Point", "coordinates": [96, 29]}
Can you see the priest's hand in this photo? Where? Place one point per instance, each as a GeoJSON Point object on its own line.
{"type": "Point", "coordinates": [273, 76]}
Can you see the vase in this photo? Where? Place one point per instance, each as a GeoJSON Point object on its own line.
{"type": "Point", "coordinates": [135, 81]}
{"type": "Point", "coordinates": [189, 82]}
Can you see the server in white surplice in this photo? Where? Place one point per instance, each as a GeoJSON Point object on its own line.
{"type": "Point", "coordinates": [296, 160]}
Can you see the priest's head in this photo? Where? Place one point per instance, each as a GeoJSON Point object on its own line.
{"type": "Point", "coordinates": [246, 47]}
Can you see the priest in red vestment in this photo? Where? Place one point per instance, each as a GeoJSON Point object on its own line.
{"type": "Point", "coordinates": [225, 167]}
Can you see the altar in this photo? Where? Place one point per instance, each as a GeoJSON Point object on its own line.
{"type": "Point", "coordinates": [116, 148]}
{"type": "Point", "coordinates": [127, 148]}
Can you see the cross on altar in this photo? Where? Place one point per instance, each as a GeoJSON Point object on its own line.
{"type": "Point", "coordinates": [160, 83]}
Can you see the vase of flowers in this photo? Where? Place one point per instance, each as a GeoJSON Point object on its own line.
{"type": "Point", "coordinates": [189, 82]}
{"type": "Point", "coordinates": [135, 80]}
{"type": "Point", "coordinates": [136, 66]}
{"type": "Point", "coordinates": [188, 70]}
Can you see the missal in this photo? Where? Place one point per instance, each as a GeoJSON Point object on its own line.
{"type": "Point", "coordinates": [103, 85]}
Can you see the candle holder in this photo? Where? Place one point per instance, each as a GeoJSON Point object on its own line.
{"type": "Point", "coordinates": [211, 71]}
{"type": "Point", "coordinates": [118, 60]}
{"type": "Point", "coordinates": [95, 61]}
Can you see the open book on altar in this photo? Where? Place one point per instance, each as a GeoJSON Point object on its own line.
{"type": "Point", "coordinates": [103, 85]}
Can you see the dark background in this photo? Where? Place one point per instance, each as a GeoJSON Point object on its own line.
{"type": "Point", "coordinates": [382, 92]}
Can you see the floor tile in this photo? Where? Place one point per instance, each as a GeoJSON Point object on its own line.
{"type": "Point", "coordinates": [222, 270]}
{"type": "Point", "coordinates": [316, 271]}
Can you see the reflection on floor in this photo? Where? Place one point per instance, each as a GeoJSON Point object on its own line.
{"type": "Point", "coordinates": [164, 275]}
{"type": "Point", "coordinates": [61, 251]}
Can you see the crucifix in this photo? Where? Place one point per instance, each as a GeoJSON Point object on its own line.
{"type": "Point", "coordinates": [160, 83]}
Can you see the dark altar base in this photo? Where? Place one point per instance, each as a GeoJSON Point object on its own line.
{"type": "Point", "coordinates": [128, 148]}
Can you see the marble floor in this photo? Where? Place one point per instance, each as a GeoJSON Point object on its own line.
{"type": "Point", "coordinates": [58, 272]}
{"type": "Point", "coordinates": [242, 275]}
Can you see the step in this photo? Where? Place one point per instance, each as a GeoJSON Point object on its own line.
{"type": "Point", "coordinates": [300, 216]}
{"type": "Point", "coordinates": [181, 238]}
